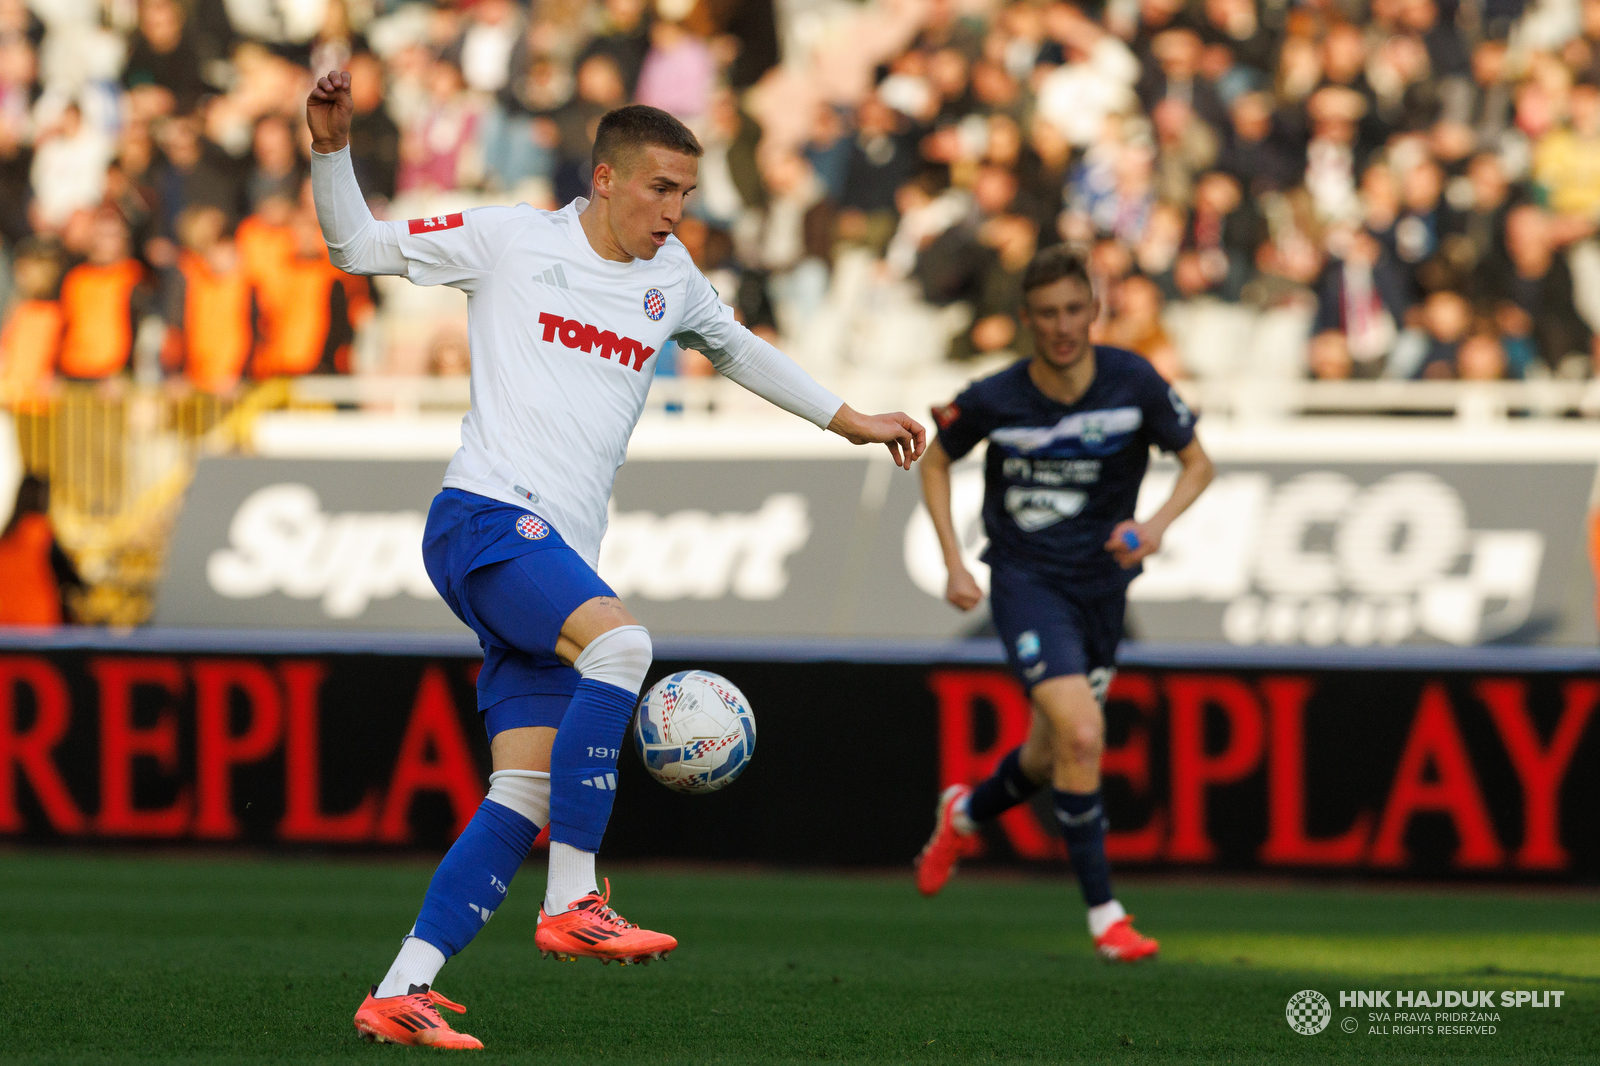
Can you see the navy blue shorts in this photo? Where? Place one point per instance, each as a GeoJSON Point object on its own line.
{"type": "Point", "coordinates": [1050, 631]}
{"type": "Point", "coordinates": [507, 573]}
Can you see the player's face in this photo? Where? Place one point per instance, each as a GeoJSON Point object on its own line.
{"type": "Point", "coordinates": [1060, 315]}
{"type": "Point", "coordinates": [647, 194]}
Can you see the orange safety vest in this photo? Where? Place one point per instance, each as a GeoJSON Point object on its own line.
{"type": "Point", "coordinates": [263, 251]}
{"type": "Point", "coordinates": [28, 348]}
{"type": "Point", "coordinates": [95, 301]}
{"type": "Point", "coordinates": [297, 317]}
{"type": "Point", "coordinates": [29, 595]}
{"type": "Point", "coordinates": [216, 324]}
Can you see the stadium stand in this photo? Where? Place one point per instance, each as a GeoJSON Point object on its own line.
{"type": "Point", "coordinates": [1335, 206]}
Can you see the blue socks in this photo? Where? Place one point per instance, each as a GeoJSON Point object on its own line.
{"type": "Point", "coordinates": [1083, 824]}
{"type": "Point", "coordinates": [472, 880]}
{"type": "Point", "coordinates": [1001, 790]}
{"type": "Point", "coordinates": [583, 763]}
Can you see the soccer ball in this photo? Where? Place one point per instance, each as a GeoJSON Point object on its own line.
{"type": "Point", "coordinates": [694, 731]}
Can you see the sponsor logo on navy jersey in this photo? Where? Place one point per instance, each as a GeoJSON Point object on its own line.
{"type": "Point", "coordinates": [1092, 430]}
{"type": "Point", "coordinates": [584, 337]}
{"type": "Point", "coordinates": [655, 305]}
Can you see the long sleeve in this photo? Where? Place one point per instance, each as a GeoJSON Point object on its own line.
{"type": "Point", "coordinates": [741, 356]}
{"type": "Point", "coordinates": [357, 242]}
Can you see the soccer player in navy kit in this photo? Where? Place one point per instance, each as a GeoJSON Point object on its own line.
{"type": "Point", "coordinates": [1069, 435]}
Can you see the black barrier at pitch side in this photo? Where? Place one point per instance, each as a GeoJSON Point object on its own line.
{"type": "Point", "coordinates": [1407, 762]}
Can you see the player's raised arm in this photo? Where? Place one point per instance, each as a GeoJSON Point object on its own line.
{"type": "Point", "coordinates": [357, 242]}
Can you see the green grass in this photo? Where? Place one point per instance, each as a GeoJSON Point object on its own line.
{"type": "Point", "coordinates": [111, 959]}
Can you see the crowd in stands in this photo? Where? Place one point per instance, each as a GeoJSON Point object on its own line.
{"type": "Point", "coordinates": [1395, 188]}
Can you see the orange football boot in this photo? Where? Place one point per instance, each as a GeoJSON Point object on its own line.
{"type": "Point", "coordinates": [946, 846]}
{"type": "Point", "coordinates": [1123, 943]}
{"type": "Point", "coordinates": [412, 1019]}
{"type": "Point", "coordinates": [593, 930]}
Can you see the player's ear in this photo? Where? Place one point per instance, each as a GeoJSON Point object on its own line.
{"type": "Point", "coordinates": [603, 179]}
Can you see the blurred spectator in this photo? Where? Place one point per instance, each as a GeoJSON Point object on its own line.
{"type": "Point", "coordinates": [211, 302]}
{"type": "Point", "coordinates": [194, 172]}
{"type": "Point", "coordinates": [69, 169]}
{"type": "Point", "coordinates": [35, 574]}
{"type": "Point", "coordinates": [101, 303]}
{"type": "Point", "coordinates": [163, 68]}
{"type": "Point", "coordinates": [600, 88]}
{"type": "Point", "coordinates": [1531, 289]}
{"type": "Point", "coordinates": [276, 169]}
{"type": "Point", "coordinates": [374, 137]}
{"type": "Point", "coordinates": [436, 150]}
{"type": "Point", "coordinates": [309, 307]}
{"type": "Point", "coordinates": [1363, 298]}
{"type": "Point", "coordinates": [31, 338]}
{"type": "Point", "coordinates": [1566, 162]}
{"type": "Point", "coordinates": [623, 38]}
{"type": "Point", "coordinates": [1135, 324]}
{"type": "Point", "coordinates": [678, 72]}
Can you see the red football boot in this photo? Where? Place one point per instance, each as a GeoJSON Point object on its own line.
{"type": "Point", "coordinates": [412, 1019]}
{"type": "Point", "coordinates": [591, 929]}
{"type": "Point", "coordinates": [947, 846]}
{"type": "Point", "coordinates": [1123, 943]}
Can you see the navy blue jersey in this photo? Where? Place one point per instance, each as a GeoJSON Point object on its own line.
{"type": "Point", "coordinates": [1060, 477]}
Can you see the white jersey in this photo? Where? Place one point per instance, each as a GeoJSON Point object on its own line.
{"type": "Point", "coordinates": [564, 345]}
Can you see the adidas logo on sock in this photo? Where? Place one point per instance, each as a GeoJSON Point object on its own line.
{"type": "Point", "coordinates": [554, 276]}
{"type": "Point", "coordinates": [608, 781]}
{"type": "Point", "coordinates": [482, 912]}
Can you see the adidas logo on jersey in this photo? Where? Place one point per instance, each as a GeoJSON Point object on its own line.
{"type": "Point", "coordinates": [609, 781]}
{"type": "Point", "coordinates": [581, 335]}
{"type": "Point", "coordinates": [554, 276]}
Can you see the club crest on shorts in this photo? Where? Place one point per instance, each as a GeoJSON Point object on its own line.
{"type": "Point", "coordinates": [655, 305]}
{"type": "Point", "coordinates": [533, 527]}
{"type": "Point", "coordinates": [1028, 645]}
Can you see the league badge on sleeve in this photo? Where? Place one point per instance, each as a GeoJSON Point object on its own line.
{"type": "Point", "coordinates": [435, 223]}
{"type": "Point", "coordinates": [533, 527]}
{"type": "Point", "coordinates": [655, 305]}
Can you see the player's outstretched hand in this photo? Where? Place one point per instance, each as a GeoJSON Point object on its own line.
{"type": "Point", "coordinates": [328, 111]}
{"type": "Point", "coordinates": [902, 434]}
{"type": "Point", "coordinates": [1132, 542]}
{"type": "Point", "coordinates": [962, 589]}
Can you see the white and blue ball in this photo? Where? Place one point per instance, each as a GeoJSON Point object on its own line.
{"type": "Point", "coordinates": [694, 731]}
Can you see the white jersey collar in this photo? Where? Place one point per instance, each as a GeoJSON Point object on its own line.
{"type": "Point", "coordinates": [580, 240]}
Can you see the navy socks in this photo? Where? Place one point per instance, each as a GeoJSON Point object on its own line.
{"type": "Point", "coordinates": [1083, 825]}
{"type": "Point", "coordinates": [1001, 790]}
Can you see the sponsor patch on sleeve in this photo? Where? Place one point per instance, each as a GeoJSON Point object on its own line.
{"type": "Point", "coordinates": [434, 223]}
{"type": "Point", "coordinates": [946, 414]}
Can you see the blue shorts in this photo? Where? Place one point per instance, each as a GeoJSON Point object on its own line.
{"type": "Point", "coordinates": [507, 573]}
{"type": "Point", "coordinates": [1050, 631]}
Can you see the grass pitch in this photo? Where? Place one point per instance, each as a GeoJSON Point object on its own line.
{"type": "Point", "coordinates": [236, 960]}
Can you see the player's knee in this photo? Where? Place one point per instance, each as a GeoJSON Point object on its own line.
{"type": "Point", "coordinates": [619, 657]}
{"type": "Point", "coordinates": [1081, 741]}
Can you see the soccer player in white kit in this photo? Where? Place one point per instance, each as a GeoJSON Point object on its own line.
{"type": "Point", "coordinates": [567, 312]}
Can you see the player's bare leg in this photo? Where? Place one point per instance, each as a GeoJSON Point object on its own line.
{"type": "Point", "coordinates": [611, 652]}
{"type": "Point", "coordinates": [1077, 740]}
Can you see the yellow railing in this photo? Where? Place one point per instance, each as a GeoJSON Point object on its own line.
{"type": "Point", "coordinates": [118, 459]}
